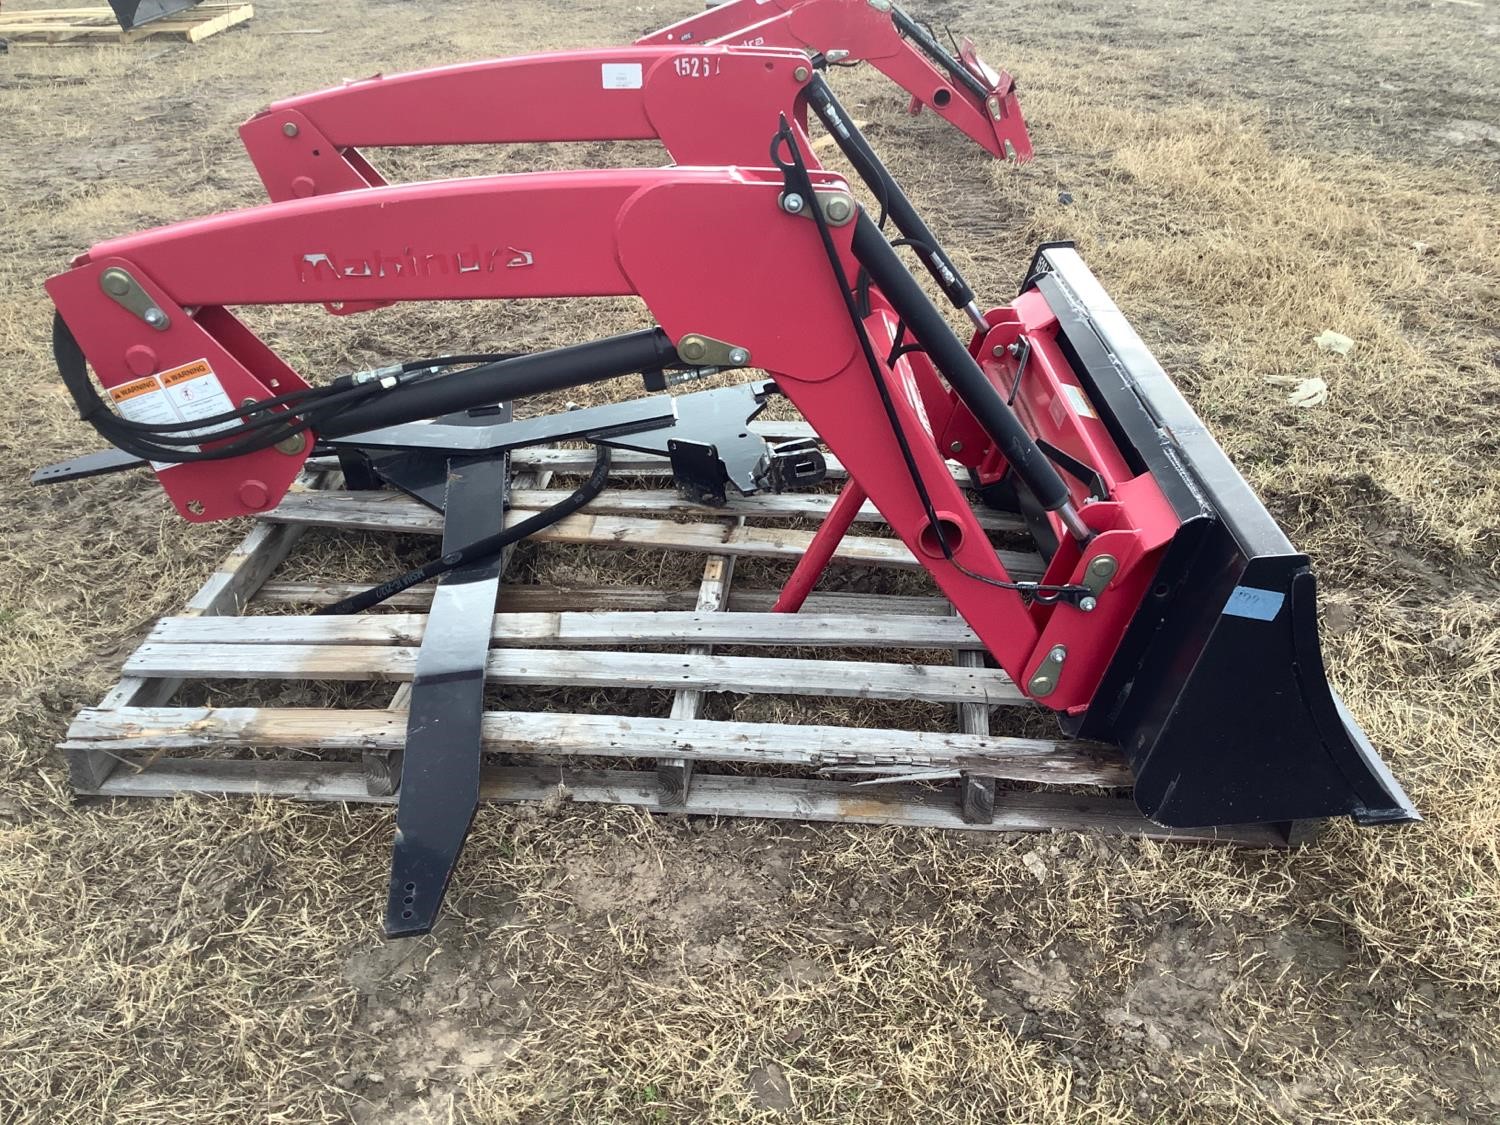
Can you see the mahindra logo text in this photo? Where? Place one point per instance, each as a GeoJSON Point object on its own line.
{"type": "Point", "coordinates": [324, 266]}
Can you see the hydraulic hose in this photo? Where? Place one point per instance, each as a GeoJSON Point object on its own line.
{"type": "Point", "coordinates": [482, 549]}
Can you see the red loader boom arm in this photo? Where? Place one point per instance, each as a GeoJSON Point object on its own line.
{"type": "Point", "coordinates": [598, 233]}
{"type": "Point", "coordinates": [310, 145]}
{"type": "Point", "coordinates": [959, 87]}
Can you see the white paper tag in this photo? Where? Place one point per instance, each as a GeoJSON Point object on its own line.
{"type": "Point", "coordinates": [621, 76]}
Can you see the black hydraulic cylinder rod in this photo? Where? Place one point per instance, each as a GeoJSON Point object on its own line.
{"type": "Point", "coordinates": [937, 53]}
{"type": "Point", "coordinates": [951, 358]}
{"type": "Point", "coordinates": [853, 145]}
{"type": "Point", "coordinates": [556, 370]}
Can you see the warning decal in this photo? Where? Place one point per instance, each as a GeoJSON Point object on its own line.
{"type": "Point", "coordinates": [142, 400]}
{"type": "Point", "coordinates": [183, 394]}
{"type": "Point", "coordinates": [195, 391]}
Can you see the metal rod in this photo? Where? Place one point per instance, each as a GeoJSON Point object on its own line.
{"type": "Point", "coordinates": [879, 179]}
{"type": "Point", "coordinates": [555, 370]}
{"type": "Point", "coordinates": [961, 370]}
{"type": "Point", "coordinates": [825, 542]}
{"type": "Point", "coordinates": [936, 52]}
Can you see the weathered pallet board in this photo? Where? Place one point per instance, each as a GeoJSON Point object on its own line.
{"type": "Point", "coordinates": [674, 775]}
{"type": "Point", "coordinates": [393, 512]}
{"type": "Point", "coordinates": [548, 599]}
{"type": "Point", "coordinates": [787, 505]}
{"type": "Point", "coordinates": [629, 462]}
{"type": "Point", "coordinates": [1057, 761]}
{"type": "Point", "coordinates": [91, 26]}
{"type": "Point", "coordinates": [226, 591]}
{"type": "Point", "coordinates": [585, 628]}
{"type": "Point", "coordinates": [538, 667]}
{"type": "Point", "coordinates": [711, 795]}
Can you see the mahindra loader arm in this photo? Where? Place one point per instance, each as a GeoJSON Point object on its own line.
{"type": "Point", "coordinates": [959, 87]}
{"type": "Point", "coordinates": [706, 105]}
{"type": "Point", "coordinates": [310, 145]}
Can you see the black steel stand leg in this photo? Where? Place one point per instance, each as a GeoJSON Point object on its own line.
{"type": "Point", "coordinates": [439, 786]}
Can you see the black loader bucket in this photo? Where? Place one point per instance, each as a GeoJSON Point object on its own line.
{"type": "Point", "coordinates": [1217, 692]}
{"type": "Point", "coordinates": [134, 13]}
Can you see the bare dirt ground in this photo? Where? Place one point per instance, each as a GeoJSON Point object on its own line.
{"type": "Point", "coordinates": [1243, 177]}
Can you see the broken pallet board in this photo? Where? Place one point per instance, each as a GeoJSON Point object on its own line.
{"type": "Point", "coordinates": [95, 25]}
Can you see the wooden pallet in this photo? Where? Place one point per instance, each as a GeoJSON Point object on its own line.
{"type": "Point", "coordinates": [93, 26]}
{"type": "Point", "coordinates": [957, 774]}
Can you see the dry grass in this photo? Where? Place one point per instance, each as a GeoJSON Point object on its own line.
{"type": "Point", "coordinates": [1243, 179]}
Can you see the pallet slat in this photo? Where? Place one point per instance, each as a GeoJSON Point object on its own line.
{"type": "Point", "coordinates": [773, 798]}
{"type": "Point", "coordinates": [752, 675]}
{"type": "Point", "coordinates": [764, 505]}
{"type": "Point", "coordinates": [130, 729]}
{"type": "Point", "coordinates": [390, 512]}
{"type": "Point", "coordinates": [630, 463]}
{"type": "Point", "coordinates": [535, 599]}
{"type": "Point", "coordinates": [675, 775]}
{"type": "Point", "coordinates": [584, 628]}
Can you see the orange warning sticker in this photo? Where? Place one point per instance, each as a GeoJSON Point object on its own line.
{"type": "Point", "coordinates": [195, 370]}
{"type": "Point", "coordinates": [135, 389]}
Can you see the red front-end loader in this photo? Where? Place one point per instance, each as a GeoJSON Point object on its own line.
{"type": "Point", "coordinates": [1173, 618]}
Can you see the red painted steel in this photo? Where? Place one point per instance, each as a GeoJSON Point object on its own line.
{"type": "Point", "coordinates": [765, 286]}
{"type": "Point", "coordinates": [866, 32]}
{"type": "Point", "coordinates": [825, 542]}
{"type": "Point", "coordinates": [706, 105]}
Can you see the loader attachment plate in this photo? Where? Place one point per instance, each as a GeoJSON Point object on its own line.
{"type": "Point", "coordinates": [1217, 691]}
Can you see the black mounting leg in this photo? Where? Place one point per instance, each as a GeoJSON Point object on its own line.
{"type": "Point", "coordinates": [440, 770]}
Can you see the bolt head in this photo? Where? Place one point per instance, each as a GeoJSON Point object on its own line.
{"type": "Point", "coordinates": [998, 350]}
{"type": "Point", "coordinates": [1088, 605]}
{"type": "Point", "coordinates": [290, 129]}
{"type": "Point", "coordinates": [739, 356]}
{"type": "Point", "coordinates": [792, 203]}
{"type": "Point", "coordinates": [154, 317]}
{"type": "Point", "coordinates": [1058, 654]}
{"type": "Point", "coordinates": [839, 209]}
{"type": "Point", "coordinates": [801, 74]}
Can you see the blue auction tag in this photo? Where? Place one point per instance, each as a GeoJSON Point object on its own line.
{"type": "Point", "coordinates": [1257, 604]}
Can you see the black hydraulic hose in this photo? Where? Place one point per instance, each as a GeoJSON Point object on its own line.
{"type": "Point", "coordinates": [951, 358]}
{"type": "Point", "coordinates": [482, 549]}
{"type": "Point", "coordinates": [853, 145]}
{"type": "Point", "coordinates": [555, 370]}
